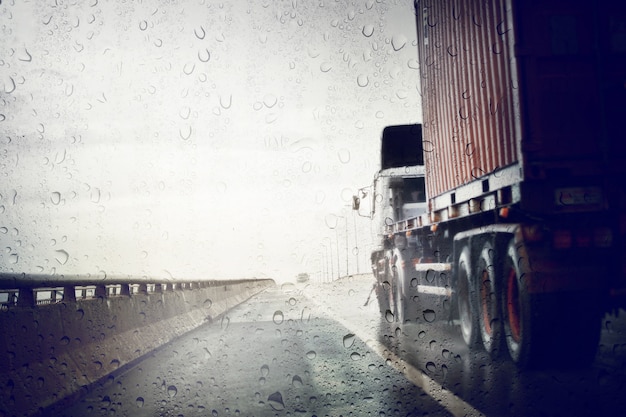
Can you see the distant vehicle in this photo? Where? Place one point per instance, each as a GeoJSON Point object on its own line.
{"type": "Point", "coordinates": [303, 277]}
{"type": "Point", "coordinates": [522, 226]}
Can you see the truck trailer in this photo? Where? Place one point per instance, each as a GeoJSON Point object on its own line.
{"type": "Point", "coordinates": [508, 202]}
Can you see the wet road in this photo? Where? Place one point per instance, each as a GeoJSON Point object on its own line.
{"type": "Point", "coordinates": [318, 351]}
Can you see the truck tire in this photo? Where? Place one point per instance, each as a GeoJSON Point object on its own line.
{"type": "Point", "coordinates": [466, 300]}
{"type": "Point", "coordinates": [489, 301]}
{"type": "Point", "coordinates": [516, 306]}
{"type": "Point", "coordinates": [536, 326]}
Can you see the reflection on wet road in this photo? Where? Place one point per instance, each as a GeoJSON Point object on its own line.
{"type": "Point", "coordinates": [317, 350]}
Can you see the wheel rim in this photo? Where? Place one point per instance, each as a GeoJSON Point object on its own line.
{"type": "Point", "coordinates": [513, 307]}
{"type": "Point", "coordinates": [486, 302]}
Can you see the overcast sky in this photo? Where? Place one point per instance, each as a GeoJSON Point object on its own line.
{"type": "Point", "coordinates": [195, 138]}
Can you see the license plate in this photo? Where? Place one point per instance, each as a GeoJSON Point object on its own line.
{"type": "Point", "coordinates": [578, 196]}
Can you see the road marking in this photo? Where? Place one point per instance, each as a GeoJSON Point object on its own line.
{"type": "Point", "coordinates": [454, 404]}
{"type": "Point", "coordinates": [447, 399]}
{"type": "Point", "coordinates": [434, 266]}
{"type": "Point", "coordinates": [432, 290]}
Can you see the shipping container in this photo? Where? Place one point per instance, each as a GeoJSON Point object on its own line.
{"type": "Point", "coordinates": [524, 167]}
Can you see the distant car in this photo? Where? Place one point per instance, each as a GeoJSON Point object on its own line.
{"type": "Point", "coordinates": [303, 277]}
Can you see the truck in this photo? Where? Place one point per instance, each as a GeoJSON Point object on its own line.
{"type": "Point", "coordinates": [506, 206]}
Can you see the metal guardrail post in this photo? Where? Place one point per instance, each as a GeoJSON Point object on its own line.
{"type": "Point", "coordinates": [101, 291]}
{"type": "Point", "coordinates": [26, 297]}
{"type": "Point", "coordinates": [69, 294]}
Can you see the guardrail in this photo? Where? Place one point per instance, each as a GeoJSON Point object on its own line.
{"type": "Point", "coordinates": [61, 334]}
{"type": "Point", "coordinates": [28, 290]}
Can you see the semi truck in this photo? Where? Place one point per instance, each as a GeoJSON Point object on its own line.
{"type": "Point", "coordinates": [508, 202]}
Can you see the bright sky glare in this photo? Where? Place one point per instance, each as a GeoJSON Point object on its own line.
{"type": "Point", "coordinates": [196, 138]}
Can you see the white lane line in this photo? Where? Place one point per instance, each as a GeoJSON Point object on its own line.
{"type": "Point", "coordinates": [454, 404]}
{"type": "Point", "coordinates": [432, 290]}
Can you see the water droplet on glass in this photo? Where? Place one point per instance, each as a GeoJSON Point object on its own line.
{"type": "Point", "coordinates": [188, 68]}
{"type": "Point", "coordinates": [344, 156]}
{"type": "Point", "coordinates": [265, 370]}
{"type": "Point", "coordinates": [311, 354]}
{"type": "Point", "coordinates": [185, 132]}
{"type": "Point", "coordinates": [431, 367]}
{"type": "Point", "coordinates": [278, 317]}
{"type": "Point", "coordinates": [270, 100]}
{"type": "Point", "coordinates": [61, 256]}
{"type": "Point", "coordinates": [275, 401]}
{"type": "Point", "coordinates": [226, 102]}
{"type": "Point", "coordinates": [139, 401]}
{"type": "Point", "coordinates": [14, 258]}
{"type": "Point", "coordinates": [362, 80]}
{"type": "Point", "coordinates": [325, 66]}
{"type": "Point", "coordinates": [389, 316]}
{"type": "Point", "coordinates": [429, 315]}
{"type": "Point", "coordinates": [296, 381]}
{"type": "Point", "coordinates": [55, 198]}
{"type": "Point", "coordinates": [143, 25]}
{"type": "Point", "coordinates": [204, 55]}
{"type": "Point", "coordinates": [348, 340]}
{"type": "Point", "coordinates": [200, 33]}
{"type": "Point", "coordinates": [172, 391]}
{"type": "Point", "coordinates": [368, 30]}
{"type": "Point", "coordinates": [398, 42]}
{"type": "Point", "coordinates": [355, 356]}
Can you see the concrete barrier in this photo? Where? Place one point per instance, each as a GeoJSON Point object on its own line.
{"type": "Point", "coordinates": [52, 353]}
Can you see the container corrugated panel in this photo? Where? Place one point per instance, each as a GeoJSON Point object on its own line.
{"type": "Point", "coordinates": [540, 82]}
{"type": "Point", "coordinates": [468, 90]}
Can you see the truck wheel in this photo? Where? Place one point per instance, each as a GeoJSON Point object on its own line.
{"type": "Point", "coordinates": [489, 302]}
{"type": "Point", "coordinates": [516, 303]}
{"type": "Point", "coordinates": [468, 312]}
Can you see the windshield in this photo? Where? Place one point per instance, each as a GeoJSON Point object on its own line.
{"type": "Point", "coordinates": [192, 223]}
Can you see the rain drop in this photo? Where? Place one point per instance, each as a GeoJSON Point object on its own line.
{"type": "Point", "coordinates": [185, 133]}
{"type": "Point", "coordinates": [296, 381]}
{"type": "Point", "coordinates": [348, 340]}
{"type": "Point", "coordinates": [325, 66]}
{"type": "Point", "coordinates": [200, 34]}
{"type": "Point", "coordinates": [344, 156]}
{"type": "Point", "coordinates": [429, 316]}
{"type": "Point", "coordinates": [139, 401]}
{"type": "Point", "coordinates": [278, 317]}
{"type": "Point", "coordinates": [389, 316]}
{"type": "Point", "coordinates": [55, 198]}
{"type": "Point", "coordinates": [355, 356]}
{"type": "Point", "coordinates": [226, 102]}
{"type": "Point", "coordinates": [275, 401]}
{"type": "Point", "coordinates": [62, 256]}
{"type": "Point", "coordinates": [368, 30]}
{"type": "Point", "coordinates": [398, 42]}
{"type": "Point", "coordinates": [362, 80]}
{"type": "Point", "coordinates": [311, 354]}
{"type": "Point", "coordinates": [204, 56]}
{"type": "Point", "coordinates": [270, 101]}
{"type": "Point", "coordinates": [172, 391]}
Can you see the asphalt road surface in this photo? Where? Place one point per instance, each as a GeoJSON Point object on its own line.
{"type": "Point", "coordinates": [317, 350]}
